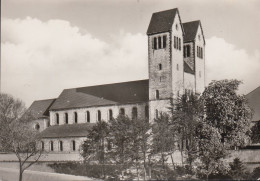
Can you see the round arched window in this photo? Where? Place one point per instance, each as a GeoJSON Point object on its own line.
{"type": "Point", "coordinates": [177, 27]}
{"type": "Point", "coordinates": [37, 126]}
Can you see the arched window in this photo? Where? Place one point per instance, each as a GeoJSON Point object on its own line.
{"type": "Point", "coordinates": [88, 116]}
{"type": "Point", "coordinates": [179, 43]}
{"type": "Point", "coordinates": [122, 111]}
{"type": "Point", "coordinates": [134, 113]}
{"type": "Point", "coordinates": [174, 43]}
{"type": "Point", "coordinates": [147, 112]}
{"type": "Point", "coordinates": [66, 118]}
{"type": "Point", "coordinates": [61, 145]}
{"type": "Point", "coordinates": [73, 145]}
{"type": "Point", "coordinates": [160, 66]}
{"type": "Point", "coordinates": [51, 145]}
{"type": "Point", "coordinates": [57, 119]}
{"type": "Point", "coordinates": [159, 42]}
{"type": "Point", "coordinates": [99, 115]}
{"type": "Point", "coordinates": [42, 145]}
{"type": "Point", "coordinates": [75, 117]}
{"type": "Point", "coordinates": [155, 43]}
{"type": "Point", "coordinates": [110, 114]}
{"type": "Point", "coordinates": [197, 51]}
{"type": "Point", "coordinates": [164, 41]}
{"type": "Point", "coordinates": [177, 66]}
{"type": "Point", "coordinates": [201, 52]}
{"type": "Point", "coordinates": [156, 114]}
{"type": "Point", "coordinates": [188, 50]}
{"type": "Point", "coordinates": [37, 126]}
{"type": "Point", "coordinates": [48, 124]}
{"type": "Point", "coordinates": [157, 95]}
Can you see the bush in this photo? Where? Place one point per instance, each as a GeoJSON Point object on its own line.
{"type": "Point", "coordinates": [256, 173]}
{"type": "Point", "coordinates": [85, 169]}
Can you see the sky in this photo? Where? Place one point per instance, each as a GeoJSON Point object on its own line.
{"type": "Point", "coordinates": [51, 45]}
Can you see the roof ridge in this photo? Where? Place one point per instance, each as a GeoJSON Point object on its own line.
{"type": "Point", "coordinates": [106, 84]}
{"type": "Point", "coordinates": [44, 100]}
{"type": "Point", "coordinates": [192, 21]}
{"type": "Point", "coordinates": [166, 10]}
{"type": "Point", "coordinates": [253, 90]}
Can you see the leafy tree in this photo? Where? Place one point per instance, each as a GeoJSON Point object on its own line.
{"type": "Point", "coordinates": [121, 136]}
{"type": "Point", "coordinates": [210, 149]}
{"type": "Point", "coordinates": [237, 169]}
{"type": "Point", "coordinates": [255, 129]}
{"type": "Point", "coordinates": [16, 133]}
{"type": "Point", "coordinates": [227, 111]}
{"type": "Point", "coordinates": [163, 142]}
{"type": "Point", "coordinates": [187, 113]}
{"type": "Point", "coordinates": [94, 147]}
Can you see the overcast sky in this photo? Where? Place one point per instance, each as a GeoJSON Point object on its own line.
{"type": "Point", "coordinates": [51, 45]}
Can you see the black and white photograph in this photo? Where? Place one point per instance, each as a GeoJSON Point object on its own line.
{"type": "Point", "coordinates": [137, 90]}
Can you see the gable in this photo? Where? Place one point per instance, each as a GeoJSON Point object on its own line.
{"type": "Point", "coordinates": [162, 21]}
{"type": "Point", "coordinates": [191, 29]}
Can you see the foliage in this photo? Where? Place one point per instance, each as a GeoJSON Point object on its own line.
{"type": "Point", "coordinates": [16, 134]}
{"type": "Point", "coordinates": [237, 170]}
{"type": "Point", "coordinates": [227, 111]}
{"type": "Point", "coordinates": [86, 169]}
{"type": "Point", "coordinates": [255, 136]}
{"type": "Point", "coordinates": [256, 173]}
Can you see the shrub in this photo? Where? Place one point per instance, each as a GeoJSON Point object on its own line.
{"type": "Point", "coordinates": [256, 173]}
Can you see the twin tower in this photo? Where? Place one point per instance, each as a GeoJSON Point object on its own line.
{"type": "Point", "coordinates": [176, 56]}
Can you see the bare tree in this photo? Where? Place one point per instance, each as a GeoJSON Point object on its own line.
{"type": "Point", "coordinates": [16, 133]}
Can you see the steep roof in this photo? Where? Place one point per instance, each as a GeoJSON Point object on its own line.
{"type": "Point", "coordinates": [254, 103]}
{"type": "Point", "coordinates": [40, 108]}
{"type": "Point", "coordinates": [190, 29]}
{"type": "Point", "coordinates": [162, 21]}
{"type": "Point", "coordinates": [188, 69]}
{"type": "Point", "coordinates": [108, 94]}
{"type": "Point", "coordinates": [67, 130]}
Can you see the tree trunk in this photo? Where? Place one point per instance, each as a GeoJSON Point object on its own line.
{"type": "Point", "coordinates": [172, 162]}
{"type": "Point", "coordinates": [20, 173]}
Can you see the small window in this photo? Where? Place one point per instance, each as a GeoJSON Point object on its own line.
{"type": "Point", "coordinates": [197, 51]}
{"type": "Point", "coordinates": [146, 112]}
{"type": "Point", "coordinates": [160, 79]}
{"type": "Point", "coordinates": [156, 114]}
{"type": "Point", "coordinates": [75, 117]}
{"type": "Point", "coordinates": [99, 115]}
{"type": "Point", "coordinates": [48, 124]}
{"type": "Point", "coordinates": [122, 111]}
{"type": "Point", "coordinates": [155, 43]}
{"type": "Point", "coordinates": [179, 44]}
{"type": "Point", "coordinates": [176, 26]}
{"type": "Point", "coordinates": [188, 50]}
{"type": "Point", "coordinates": [199, 73]}
{"type": "Point", "coordinates": [110, 114]}
{"type": "Point", "coordinates": [174, 43]}
{"type": "Point", "coordinates": [88, 116]}
{"type": "Point", "coordinates": [160, 66]}
{"type": "Point", "coordinates": [201, 52]}
{"type": "Point", "coordinates": [51, 145]}
{"type": "Point", "coordinates": [61, 145]}
{"type": "Point", "coordinates": [159, 42]}
{"type": "Point", "coordinates": [66, 118]}
{"type": "Point", "coordinates": [37, 126]}
{"type": "Point", "coordinates": [57, 119]}
{"type": "Point", "coordinates": [73, 145]}
{"type": "Point", "coordinates": [157, 94]}
{"type": "Point", "coordinates": [177, 66]}
{"type": "Point", "coordinates": [42, 145]}
{"type": "Point", "coordinates": [134, 113]}
{"type": "Point", "coordinates": [164, 41]}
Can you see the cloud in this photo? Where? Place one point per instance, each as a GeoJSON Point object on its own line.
{"type": "Point", "coordinates": [225, 61]}
{"type": "Point", "coordinates": [40, 59]}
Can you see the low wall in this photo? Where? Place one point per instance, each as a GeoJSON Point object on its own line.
{"type": "Point", "coordinates": [50, 157]}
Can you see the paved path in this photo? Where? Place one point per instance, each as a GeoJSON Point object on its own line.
{"type": "Point", "coordinates": [10, 174]}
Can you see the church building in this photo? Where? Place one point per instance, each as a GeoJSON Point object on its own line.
{"type": "Point", "coordinates": [176, 64]}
